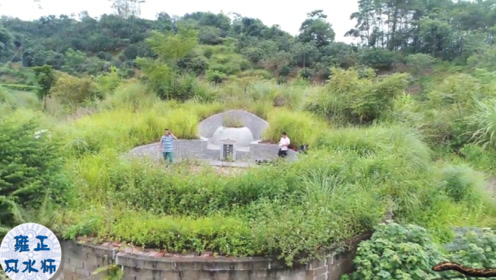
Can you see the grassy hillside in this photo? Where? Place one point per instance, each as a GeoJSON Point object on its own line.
{"type": "Point", "coordinates": [403, 125]}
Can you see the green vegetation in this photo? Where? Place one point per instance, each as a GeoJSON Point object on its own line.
{"type": "Point", "coordinates": [230, 121]}
{"type": "Point", "coordinates": [404, 121]}
{"type": "Point", "coordinates": [408, 251]}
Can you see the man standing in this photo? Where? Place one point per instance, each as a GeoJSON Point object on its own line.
{"type": "Point", "coordinates": [283, 145]}
{"type": "Point", "coordinates": [167, 145]}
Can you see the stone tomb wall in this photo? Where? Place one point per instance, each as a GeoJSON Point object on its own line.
{"type": "Point", "coordinates": [80, 260]}
{"type": "Point", "coordinates": [257, 125]}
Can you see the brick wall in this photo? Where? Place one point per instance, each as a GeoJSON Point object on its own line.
{"type": "Point", "coordinates": [80, 260]}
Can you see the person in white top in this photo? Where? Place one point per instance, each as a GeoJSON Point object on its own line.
{"type": "Point", "coordinates": [283, 145]}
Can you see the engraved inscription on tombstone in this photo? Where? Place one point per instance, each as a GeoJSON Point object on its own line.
{"type": "Point", "coordinates": [228, 152]}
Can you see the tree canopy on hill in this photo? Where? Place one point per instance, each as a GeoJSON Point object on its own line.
{"type": "Point", "coordinates": [386, 31]}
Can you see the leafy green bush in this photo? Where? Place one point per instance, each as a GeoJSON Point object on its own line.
{"type": "Point", "coordinates": [288, 200]}
{"type": "Point", "coordinates": [461, 183]}
{"type": "Point", "coordinates": [419, 62]}
{"type": "Point", "coordinates": [108, 82]}
{"type": "Point", "coordinates": [397, 252]}
{"type": "Point", "coordinates": [205, 92]}
{"type": "Point", "coordinates": [16, 74]}
{"type": "Point", "coordinates": [483, 59]}
{"type": "Point", "coordinates": [229, 63]}
{"type": "Point", "coordinates": [215, 76]}
{"type": "Point", "coordinates": [377, 58]}
{"type": "Point", "coordinates": [31, 167]}
{"type": "Point", "coordinates": [350, 98]}
{"type": "Point", "coordinates": [478, 157]}
{"type": "Point", "coordinates": [73, 91]}
{"type": "Point", "coordinates": [474, 248]}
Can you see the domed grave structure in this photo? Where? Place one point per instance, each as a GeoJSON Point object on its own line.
{"type": "Point", "coordinates": [231, 138]}
{"type": "Point", "coordinates": [234, 133]}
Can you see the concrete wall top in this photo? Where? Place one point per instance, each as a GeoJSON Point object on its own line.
{"type": "Point", "coordinates": [257, 125]}
{"type": "Point", "coordinates": [80, 260]}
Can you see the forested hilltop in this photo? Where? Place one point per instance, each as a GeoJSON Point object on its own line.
{"type": "Point", "coordinates": [388, 32]}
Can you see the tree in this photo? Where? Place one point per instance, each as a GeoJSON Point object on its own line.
{"type": "Point", "coordinates": [169, 48]}
{"type": "Point", "coordinates": [304, 54]}
{"type": "Point", "coordinates": [45, 78]}
{"type": "Point", "coordinates": [317, 30]}
{"type": "Point", "coordinates": [435, 36]}
{"type": "Point", "coordinates": [127, 8]}
{"type": "Point", "coordinates": [73, 91]}
{"type": "Point", "coordinates": [5, 38]}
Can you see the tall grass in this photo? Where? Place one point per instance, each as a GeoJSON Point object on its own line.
{"type": "Point", "coordinates": [131, 96]}
{"type": "Point", "coordinates": [18, 99]}
{"type": "Point", "coordinates": [342, 187]}
{"type": "Point", "coordinates": [301, 127]}
{"type": "Point", "coordinates": [403, 143]}
{"type": "Point", "coordinates": [122, 129]}
{"type": "Point", "coordinates": [483, 123]}
{"type": "Point", "coordinates": [339, 189]}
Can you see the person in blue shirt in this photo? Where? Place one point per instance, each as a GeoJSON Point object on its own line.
{"type": "Point", "coordinates": [167, 145]}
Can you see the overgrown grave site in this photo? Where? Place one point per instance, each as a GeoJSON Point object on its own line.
{"type": "Point", "coordinates": [292, 210]}
{"type": "Point", "coordinates": [417, 141]}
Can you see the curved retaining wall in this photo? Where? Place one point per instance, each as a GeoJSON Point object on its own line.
{"type": "Point", "coordinates": [80, 260]}
{"type": "Point", "coordinates": [257, 125]}
{"type": "Point", "coordinates": [198, 149]}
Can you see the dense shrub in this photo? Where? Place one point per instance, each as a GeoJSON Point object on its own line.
{"type": "Point", "coordinates": [397, 252]}
{"type": "Point", "coordinates": [73, 91]}
{"type": "Point", "coordinates": [483, 59]}
{"type": "Point", "coordinates": [478, 157]}
{"type": "Point", "coordinates": [290, 211]}
{"type": "Point", "coordinates": [107, 83]}
{"type": "Point", "coordinates": [350, 98]}
{"type": "Point", "coordinates": [419, 63]}
{"type": "Point", "coordinates": [407, 252]}
{"type": "Point", "coordinates": [377, 58]}
{"type": "Point", "coordinates": [30, 167]}
{"type": "Point", "coordinates": [463, 184]}
{"type": "Point", "coordinates": [228, 63]}
{"type": "Point", "coordinates": [215, 76]}
{"type": "Point", "coordinates": [474, 248]}
{"type": "Point", "coordinates": [279, 197]}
